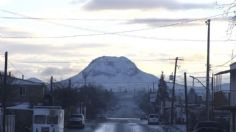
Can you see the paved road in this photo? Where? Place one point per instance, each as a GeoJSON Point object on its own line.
{"type": "Point", "coordinates": [125, 107]}
{"type": "Point", "coordinates": [119, 125]}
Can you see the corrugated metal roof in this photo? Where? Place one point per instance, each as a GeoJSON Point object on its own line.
{"type": "Point", "coordinates": [223, 72]}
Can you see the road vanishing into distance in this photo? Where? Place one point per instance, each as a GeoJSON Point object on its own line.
{"type": "Point", "coordinates": [122, 125]}
{"type": "Point", "coordinates": [124, 117]}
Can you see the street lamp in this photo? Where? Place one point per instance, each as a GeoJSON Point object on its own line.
{"type": "Point", "coordinates": [206, 95]}
{"type": "Point", "coordinates": [198, 81]}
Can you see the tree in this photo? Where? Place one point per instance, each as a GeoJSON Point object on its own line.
{"type": "Point", "coordinates": [229, 10]}
{"type": "Point", "coordinates": [143, 101]}
{"type": "Point", "coordinates": [192, 96]}
{"type": "Point", "coordinates": [96, 99]}
{"type": "Point", "coordinates": [67, 98]}
{"type": "Point", "coordinates": [162, 93]}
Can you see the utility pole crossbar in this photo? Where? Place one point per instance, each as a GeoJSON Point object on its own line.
{"type": "Point", "coordinates": [173, 91]}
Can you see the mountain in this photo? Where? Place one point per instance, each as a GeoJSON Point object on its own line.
{"type": "Point", "coordinates": [114, 73]}
{"type": "Point", "coordinates": [35, 80]}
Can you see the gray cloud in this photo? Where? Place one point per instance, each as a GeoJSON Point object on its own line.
{"type": "Point", "coordinates": [153, 22]}
{"type": "Point", "coordinates": [7, 32]}
{"type": "Point", "coordinates": [18, 47]}
{"type": "Point", "coordinates": [58, 71]}
{"type": "Point", "coordinates": [15, 47]}
{"type": "Point", "coordinates": [86, 45]}
{"type": "Point", "coordinates": [143, 4]}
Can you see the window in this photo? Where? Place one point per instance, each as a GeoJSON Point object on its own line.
{"type": "Point", "coordinates": [52, 119]}
{"type": "Point", "coordinates": [22, 91]}
{"type": "Point", "coordinates": [77, 116]}
{"type": "Point", "coordinates": [39, 119]}
{"type": "Point", "coordinates": [153, 116]}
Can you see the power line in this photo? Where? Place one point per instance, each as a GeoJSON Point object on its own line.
{"type": "Point", "coordinates": [70, 19]}
{"type": "Point", "coordinates": [93, 19]}
{"type": "Point", "coordinates": [15, 68]}
{"type": "Point", "coordinates": [222, 65]}
{"type": "Point", "coordinates": [119, 33]}
{"type": "Point", "coordinates": [114, 33]}
{"type": "Point", "coordinates": [78, 61]}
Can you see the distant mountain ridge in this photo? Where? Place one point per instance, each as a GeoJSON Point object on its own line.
{"type": "Point", "coordinates": [114, 73]}
{"type": "Point", "coordinates": [35, 80]}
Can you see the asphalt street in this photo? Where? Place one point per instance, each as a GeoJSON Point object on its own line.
{"type": "Point", "coordinates": [120, 125]}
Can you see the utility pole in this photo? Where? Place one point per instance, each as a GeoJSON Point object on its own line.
{"type": "Point", "coordinates": [173, 91]}
{"type": "Point", "coordinates": [186, 100]}
{"type": "Point", "coordinates": [69, 83]}
{"type": "Point", "coordinates": [4, 94]}
{"type": "Point", "coordinates": [51, 91]}
{"type": "Point", "coordinates": [208, 22]}
{"type": "Point", "coordinates": [153, 87]}
{"type": "Point", "coordinates": [212, 98]}
{"type": "Point", "coordinates": [193, 82]}
{"type": "Point", "coordinates": [232, 57]}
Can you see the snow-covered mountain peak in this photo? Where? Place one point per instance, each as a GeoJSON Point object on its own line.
{"type": "Point", "coordinates": [114, 73]}
{"type": "Point", "coordinates": [111, 66]}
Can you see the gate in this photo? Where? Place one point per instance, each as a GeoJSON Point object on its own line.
{"type": "Point", "coordinates": [10, 123]}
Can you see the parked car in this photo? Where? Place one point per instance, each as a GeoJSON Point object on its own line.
{"type": "Point", "coordinates": [153, 119]}
{"type": "Point", "coordinates": [143, 117]}
{"type": "Point", "coordinates": [76, 120]}
{"type": "Point", "coordinates": [208, 126]}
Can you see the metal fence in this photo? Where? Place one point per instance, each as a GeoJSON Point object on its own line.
{"type": "Point", "coordinates": [224, 98]}
{"type": "Point", "coordinates": [10, 123]}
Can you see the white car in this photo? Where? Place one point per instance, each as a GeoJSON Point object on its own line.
{"type": "Point", "coordinates": [153, 119]}
{"type": "Point", "coordinates": [76, 120]}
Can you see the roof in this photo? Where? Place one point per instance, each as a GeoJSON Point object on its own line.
{"type": "Point", "coordinates": [232, 68]}
{"type": "Point", "coordinates": [18, 81]}
{"type": "Point", "coordinates": [229, 108]}
{"type": "Point", "coordinates": [223, 72]}
{"type": "Point", "coordinates": [23, 106]}
{"type": "Point", "coordinates": [47, 107]}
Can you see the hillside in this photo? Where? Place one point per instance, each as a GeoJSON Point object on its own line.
{"type": "Point", "coordinates": [114, 73]}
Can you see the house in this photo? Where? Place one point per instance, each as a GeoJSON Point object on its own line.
{"type": "Point", "coordinates": [23, 91]}
{"type": "Point", "coordinates": [225, 100]}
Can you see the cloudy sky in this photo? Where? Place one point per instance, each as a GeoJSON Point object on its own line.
{"type": "Point", "coordinates": [61, 37]}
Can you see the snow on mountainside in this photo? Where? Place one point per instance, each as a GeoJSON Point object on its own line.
{"type": "Point", "coordinates": [116, 73]}
{"type": "Point", "coordinates": [35, 80]}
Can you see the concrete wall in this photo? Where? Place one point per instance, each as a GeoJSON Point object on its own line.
{"type": "Point", "coordinates": [233, 85]}
{"type": "Point", "coordinates": [233, 95]}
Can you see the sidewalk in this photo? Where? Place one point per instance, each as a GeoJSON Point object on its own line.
{"type": "Point", "coordinates": [174, 128]}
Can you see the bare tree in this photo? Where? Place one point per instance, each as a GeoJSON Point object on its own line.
{"type": "Point", "coordinates": [229, 11]}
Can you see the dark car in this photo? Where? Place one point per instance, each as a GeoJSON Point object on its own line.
{"type": "Point", "coordinates": [210, 129]}
{"type": "Point", "coordinates": [208, 126]}
{"type": "Point", "coordinates": [76, 120]}
{"type": "Point", "coordinates": [153, 119]}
